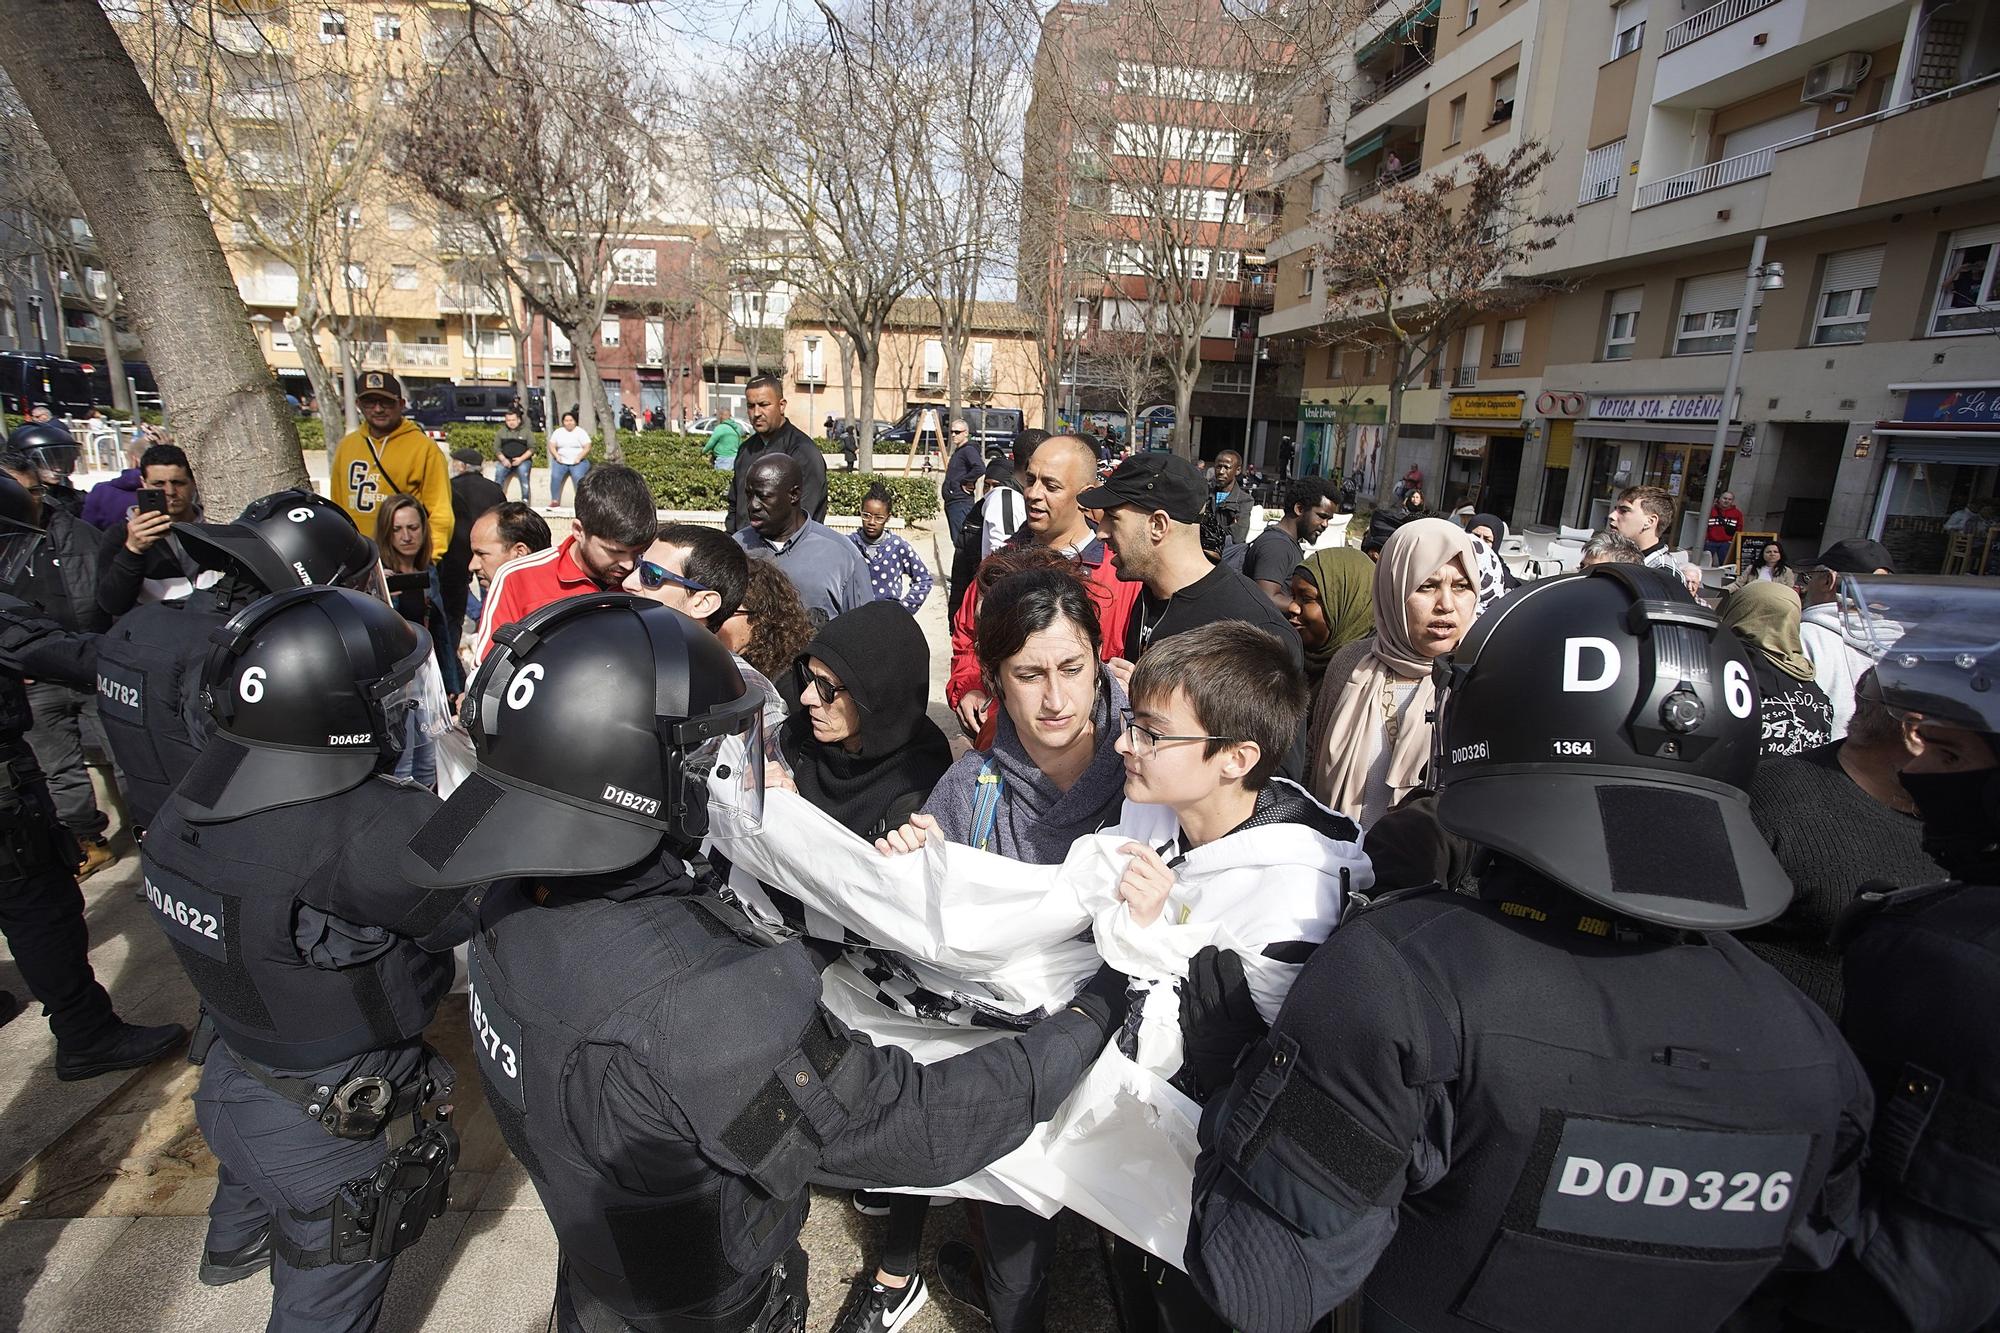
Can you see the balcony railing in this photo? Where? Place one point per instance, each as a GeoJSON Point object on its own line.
{"type": "Point", "coordinates": [1747, 166]}
{"type": "Point", "coordinates": [1504, 359]}
{"type": "Point", "coordinates": [372, 353]}
{"type": "Point", "coordinates": [465, 301]}
{"type": "Point", "coordinates": [1716, 16]}
{"type": "Point", "coordinates": [262, 291]}
{"type": "Point", "coordinates": [1381, 182]}
{"type": "Point", "coordinates": [262, 104]}
{"type": "Point", "coordinates": [1388, 85]}
{"type": "Point", "coordinates": [1465, 377]}
{"type": "Point", "coordinates": [424, 356]}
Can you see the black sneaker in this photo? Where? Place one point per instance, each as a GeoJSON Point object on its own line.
{"type": "Point", "coordinates": [874, 1308]}
{"type": "Point", "coordinates": [219, 1270]}
{"type": "Point", "coordinates": [871, 1204]}
{"type": "Point", "coordinates": [9, 1007]}
{"type": "Point", "coordinates": [122, 1046]}
{"type": "Point", "coordinates": [960, 1277]}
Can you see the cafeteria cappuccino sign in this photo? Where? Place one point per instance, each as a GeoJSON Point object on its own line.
{"type": "Point", "coordinates": [1655, 406]}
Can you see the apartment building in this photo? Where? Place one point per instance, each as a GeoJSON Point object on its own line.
{"type": "Point", "coordinates": [999, 368]}
{"type": "Point", "coordinates": [1151, 129]}
{"type": "Point", "coordinates": [1857, 136]}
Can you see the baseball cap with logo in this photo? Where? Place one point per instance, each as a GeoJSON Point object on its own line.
{"type": "Point", "coordinates": [379, 384]}
{"type": "Point", "coordinates": [1152, 481]}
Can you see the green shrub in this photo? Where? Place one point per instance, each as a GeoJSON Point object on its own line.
{"type": "Point", "coordinates": [916, 497]}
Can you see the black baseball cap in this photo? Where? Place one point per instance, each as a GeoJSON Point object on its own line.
{"type": "Point", "coordinates": [470, 457]}
{"type": "Point", "coordinates": [1154, 480]}
{"type": "Point", "coordinates": [379, 384]}
{"type": "Point", "coordinates": [1856, 555]}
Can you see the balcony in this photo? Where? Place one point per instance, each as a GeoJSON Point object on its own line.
{"type": "Point", "coordinates": [1389, 85]}
{"type": "Point", "coordinates": [1728, 171]}
{"type": "Point", "coordinates": [1465, 377]}
{"type": "Point", "coordinates": [1708, 20]}
{"type": "Point", "coordinates": [1381, 181]}
{"type": "Point", "coordinates": [255, 168]}
{"type": "Point", "coordinates": [270, 291]}
{"type": "Point", "coordinates": [423, 356]}
{"type": "Point", "coordinates": [259, 105]}
{"type": "Point", "coordinates": [465, 300]}
{"type": "Point", "coordinates": [1736, 49]}
{"type": "Point", "coordinates": [1502, 360]}
{"type": "Point", "coordinates": [371, 353]}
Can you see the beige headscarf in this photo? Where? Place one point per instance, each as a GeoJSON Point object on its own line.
{"type": "Point", "coordinates": [1348, 729]}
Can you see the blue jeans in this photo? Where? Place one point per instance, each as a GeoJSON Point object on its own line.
{"type": "Point", "coordinates": [575, 472]}
{"type": "Point", "coordinates": [503, 470]}
{"type": "Point", "coordinates": [725, 464]}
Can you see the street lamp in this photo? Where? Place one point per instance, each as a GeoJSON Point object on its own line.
{"type": "Point", "coordinates": [1760, 277]}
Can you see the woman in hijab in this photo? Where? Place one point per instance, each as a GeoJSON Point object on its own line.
{"type": "Point", "coordinates": [860, 744]}
{"type": "Point", "coordinates": [1333, 604]}
{"type": "Point", "coordinates": [1371, 733]}
{"type": "Point", "coordinates": [1490, 530]}
{"type": "Point", "coordinates": [1796, 713]}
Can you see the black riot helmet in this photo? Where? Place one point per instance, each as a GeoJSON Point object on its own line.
{"type": "Point", "coordinates": [289, 539]}
{"type": "Point", "coordinates": [594, 720]}
{"type": "Point", "coordinates": [19, 533]}
{"type": "Point", "coordinates": [312, 691]}
{"type": "Point", "coordinates": [1602, 729]}
{"type": "Point", "coordinates": [49, 447]}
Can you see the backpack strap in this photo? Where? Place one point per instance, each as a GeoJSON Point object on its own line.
{"type": "Point", "coordinates": [986, 804]}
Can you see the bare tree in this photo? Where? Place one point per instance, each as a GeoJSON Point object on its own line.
{"type": "Point", "coordinates": [1430, 256]}
{"type": "Point", "coordinates": [1130, 364]}
{"type": "Point", "coordinates": [158, 243]}
{"type": "Point", "coordinates": [553, 174]}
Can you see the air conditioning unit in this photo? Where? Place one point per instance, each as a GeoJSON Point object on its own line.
{"type": "Point", "coordinates": [1837, 78]}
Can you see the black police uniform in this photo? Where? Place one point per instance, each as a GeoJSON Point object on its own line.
{"type": "Point", "coordinates": [672, 1084]}
{"type": "Point", "coordinates": [41, 907]}
{"type": "Point", "coordinates": [149, 694]}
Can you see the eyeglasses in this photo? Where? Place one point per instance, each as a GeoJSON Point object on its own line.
{"type": "Point", "coordinates": [653, 577]}
{"type": "Point", "coordinates": [810, 679]}
{"type": "Point", "coordinates": [1143, 741]}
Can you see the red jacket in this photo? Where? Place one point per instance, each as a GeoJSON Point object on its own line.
{"type": "Point", "coordinates": [1724, 524]}
{"type": "Point", "coordinates": [1112, 596]}
{"type": "Point", "coordinates": [527, 584]}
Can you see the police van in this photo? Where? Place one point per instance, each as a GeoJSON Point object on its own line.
{"type": "Point", "coordinates": [435, 406]}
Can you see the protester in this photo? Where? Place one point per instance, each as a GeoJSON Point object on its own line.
{"type": "Point", "coordinates": [1309, 507]}
{"type": "Point", "coordinates": [569, 457]}
{"type": "Point", "coordinates": [860, 745]}
{"type": "Point", "coordinates": [895, 571]}
{"type": "Point", "coordinates": [514, 454]}
{"type": "Point", "coordinates": [1772, 567]}
{"type": "Point", "coordinates": [1382, 525]}
{"type": "Point", "coordinates": [1645, 514]}
{"type": "Point", "coordinates": [109, 501]}
{"type": "Point", "coordinates": [137, 562]}
{"type": "Point", "coordinates": [472, 496]}
{"type": "Point", "coordinates": [829, 573]}
{"type": "Point", "coordinates": [1837, 649]}
{"type": "Point", "coordinates": [1002, 508]}
{"type": "Point", "coordinates": [389, 455]}
{"type": "Point", "coordinates": [771, 628]}
{"type": "Point", "coordinates": [402, 535]}
{"type": "Point", "coordinates": [1839, 817]}
{"type": "Point", "coordinates": [705, 576]}
{"type": "Point", "coordinates": [1725, 521]}
{"type": "Point", "coordinates": [1608, 546]}
{"type": "Point", "coordinates": [1332, 605]}
{"type": "Point", "coordinates": [1371, 723]}
{"type": "Point", "coordinates": [615, 523]}
{"type": "Point", "coordinates": [764, 400]}
{"type": "Point", "coordinates": [1796, 713]}
{"type": "Point", "coordinates": [504, 534]}
{"type": "Point", "coordinates": [1232, 503]}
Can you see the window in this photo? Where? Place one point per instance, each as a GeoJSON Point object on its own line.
{"type": "Point", "coordinates": [1621, 326]}
{"type": "Point", "coordinates": [1227, 264]}
{"type": "Point", "coordinates": [186, 79]}
{"type": "Point", "coordinates": [1846, 296]}
{"type": "Point", "coordinates": [197, 147]}
{"type": "Point", "coordinates": [1471, 14]}
{"type": "Point", "coordinates": [347, 216]}
{"type": "Point", "coordinates": [281, 339]}
{"type": "Point", "coordinates": [1322, 194]}
{"type": "Point", "coordinates": [1185, 84]}
{"type": "Point", "coordinates": [1628, 27]}
{"type": "Point", "coordinates": [1308, 275]}
{"type": "Point", "coordinates": [1709, 307]}
{"type": "Point", "coordinates": [607, 331]}
{"type": "Point", "coordinates": [1503, 96]}
{"type": "Point", "coordinates": [1968, 298]}
{"type": "Point", "coordinates": [812, 360]}
{"type": "Point", "coordinates": [403, 277]}
{"type": "Point", "coordinates": [1175, 142]}
{"type": "Point", "coordinates": [354, 276]}
{"type": "Point", "coordinates": [118, 11]}
{"type": "Point", "coordinates": [388, 28]}
{"type": "Point", "coordinates": [1230, 379]}
{"type": "Point", "coordinates": [1456, 129]}
{"type": "Point", "coordinates": [343, 153]}
{"type": "Point", "coordinates": [635, 267]}
{"type": "Point", "coordinates": [1468, 357]}
{"type": "Point", "coordinates": [332, 26]}
{"type": "Point", "coordinates": [338, 90]}
{"type": "Point", "coordinates": [982, 365]}
{"type": "Point", "coordinates": [1513, 334]}
{"type": "Point", "coordinates": [10, 324]}
{"type": "Point", "coordinates": [933, 362]}
{"type": "Point", "coordinates": [559, 348]}
{"type": "Point", "coordinates": [402, 217]}
{"type": "Point", "coordinates": [1371, 362]}
{"type": "Point", "coordinates": [1603, 169]}
{"type": "Point", "coordinates": [395, 91]}
{"type": "Point", "coordinates": [488, 342]}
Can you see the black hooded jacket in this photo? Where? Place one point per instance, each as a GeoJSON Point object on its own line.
{"type": "Point", "coordinates": [879, 654]}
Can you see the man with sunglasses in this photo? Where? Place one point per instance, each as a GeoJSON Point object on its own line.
{"type": "Point", "coordinates": [829, 573]}
{"type": "Point", "coordinates": [961, 474]}
{"type": "Point", "coordinates": [697, 571]}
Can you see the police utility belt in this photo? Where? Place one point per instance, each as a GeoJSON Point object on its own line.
{"type": "Point", "coordinates": [356, 1109]}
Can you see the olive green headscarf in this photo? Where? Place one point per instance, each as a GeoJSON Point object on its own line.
{"type": "Point", "coordinates": [1766, 616]}
{"type": "Point", "coordinates": [1346, 582]}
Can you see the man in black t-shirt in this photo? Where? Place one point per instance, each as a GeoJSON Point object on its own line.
{"type": "Point", "coordinates": [1309, 507]}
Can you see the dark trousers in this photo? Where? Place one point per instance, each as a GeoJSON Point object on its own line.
{"type": "Point", "coordinates": [955, 509]}
{"type": "Point", "coordinates": [64, 735]}
{"type": "Point", "coordinates": [907, 1215]}
{"type": "Point", "coordinates": [1015, 1261]}
{"type": "Point", "coordinates": [271, 1164]}
{"type": "Point", "coordinates": [1152, 1296]}
{"type": "Point", "coordinates": [457, 595]}
{"type": "Point", "coordinates": [41, 907]}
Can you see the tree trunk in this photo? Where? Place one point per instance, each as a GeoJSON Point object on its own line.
{"type": "Point", "coordinates": [158, 245]}
{"type": "Point", "coordinates": [114, 366]}
{"type": "Point", "coordinates": [846, 346]}
{"type": "Point", "coordinates": [598, 402]}
{"type": "Point", "coordinates": [868, 355]}
{"type": "Point", "coordinates": [1184, 378]}
{"type": "Point", "coordinates": [1392, 427]}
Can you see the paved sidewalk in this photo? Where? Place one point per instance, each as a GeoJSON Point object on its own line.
{"type": "Point", "coordinates": [107, 1182]}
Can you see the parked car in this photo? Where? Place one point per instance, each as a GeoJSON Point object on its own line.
{"type": "Point", "coordinates": [435, 406]}
{"type": "Point", "coordinates": [993, 427]}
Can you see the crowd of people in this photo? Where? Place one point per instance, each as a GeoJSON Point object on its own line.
{"type": "Point", "coordinates": [1474, 878]}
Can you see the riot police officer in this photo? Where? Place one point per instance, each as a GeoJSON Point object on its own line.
{"type": "Point", "coordinates": [1569, 1100]}
{"type": "Point", "coordinates": [52, 452]}
{"type": "Point", "coordinates": [1922, 970]}
{"type": "Point", "coordinates": [667, 1075]}
{"type": "Point", "coordinates": [272, 870]}
{"type": "Point", "coordinates": [149, 664]}
{"type": "Point", "coordinates": [41, 908]}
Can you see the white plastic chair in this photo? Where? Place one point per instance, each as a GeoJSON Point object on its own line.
{"type": "Point", "coordinates": [1334, 534]}
{"type": "Point", "coordinates": [1567, 555]}
{"type": "Point", "coordinates": [1577, 535]}
{"type": "Point", "coordinates": [1536, 540]}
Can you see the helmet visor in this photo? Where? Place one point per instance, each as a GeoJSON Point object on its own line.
{"type": "Point", "coordinates": [722, 769]}
{"type": "Point", "coordinates": [18, 546]}
{"type": "Point", "coordinates": [1935, 641]}
{"type": "Point", "coordinates": [372, 580]}
{"type": "Point", "coordinates": [54, 461]}
{"type": "Point", "coordinates": [417, 718]}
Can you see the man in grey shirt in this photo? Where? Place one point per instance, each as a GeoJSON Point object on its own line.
{"type": "Point", "coordinates": [830, 575]}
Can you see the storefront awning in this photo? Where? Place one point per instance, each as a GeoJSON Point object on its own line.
{"type": "Point", "coordinates": [1357, 151]}
{"type": "Point", "coordinates": [1974, 448]}
{"type": "Point", "coordinates": [1424, 13]}
{"type": "Point", "coordinates": [1643, 430]}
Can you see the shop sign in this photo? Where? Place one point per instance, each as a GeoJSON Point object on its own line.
{"type": "Point", "coordinates": [1560, 403]}
{"type": "Point", "coordinates": [1319, 412]}
{"type": "Point", "coordinates": [1486, 406]}
{"type": "Point", "coordinates": [1656, 406]}
{"type": "Point", "coordinates": [1365, 414]}
{"type": "Point", "coordinates": [1979, 407]}
{"type": "Point", "coordinates": [1468, 446]}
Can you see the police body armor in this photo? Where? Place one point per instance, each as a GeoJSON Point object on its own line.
{"type": "Point", "coordinates": [148, 695]}
{"type": "Point", "coordinates": [1629, 1150]}
{"type": "Point", "coordinates": [712, 1014]}
{"type": "Point", "coordinates": [229, 896]}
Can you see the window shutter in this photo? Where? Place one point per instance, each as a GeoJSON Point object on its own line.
{"type": "Point", "coordinates": [1715, 291]}
{"type": "Point", "coordinates": [1627, 300]}
{"type": "Point", "coordinates": [1853, 269]}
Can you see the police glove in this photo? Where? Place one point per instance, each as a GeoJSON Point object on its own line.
{"type": "Point", "coordinates": [1219, 1021]}
{"type": "Point", "coordinates": [1105, 998]}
